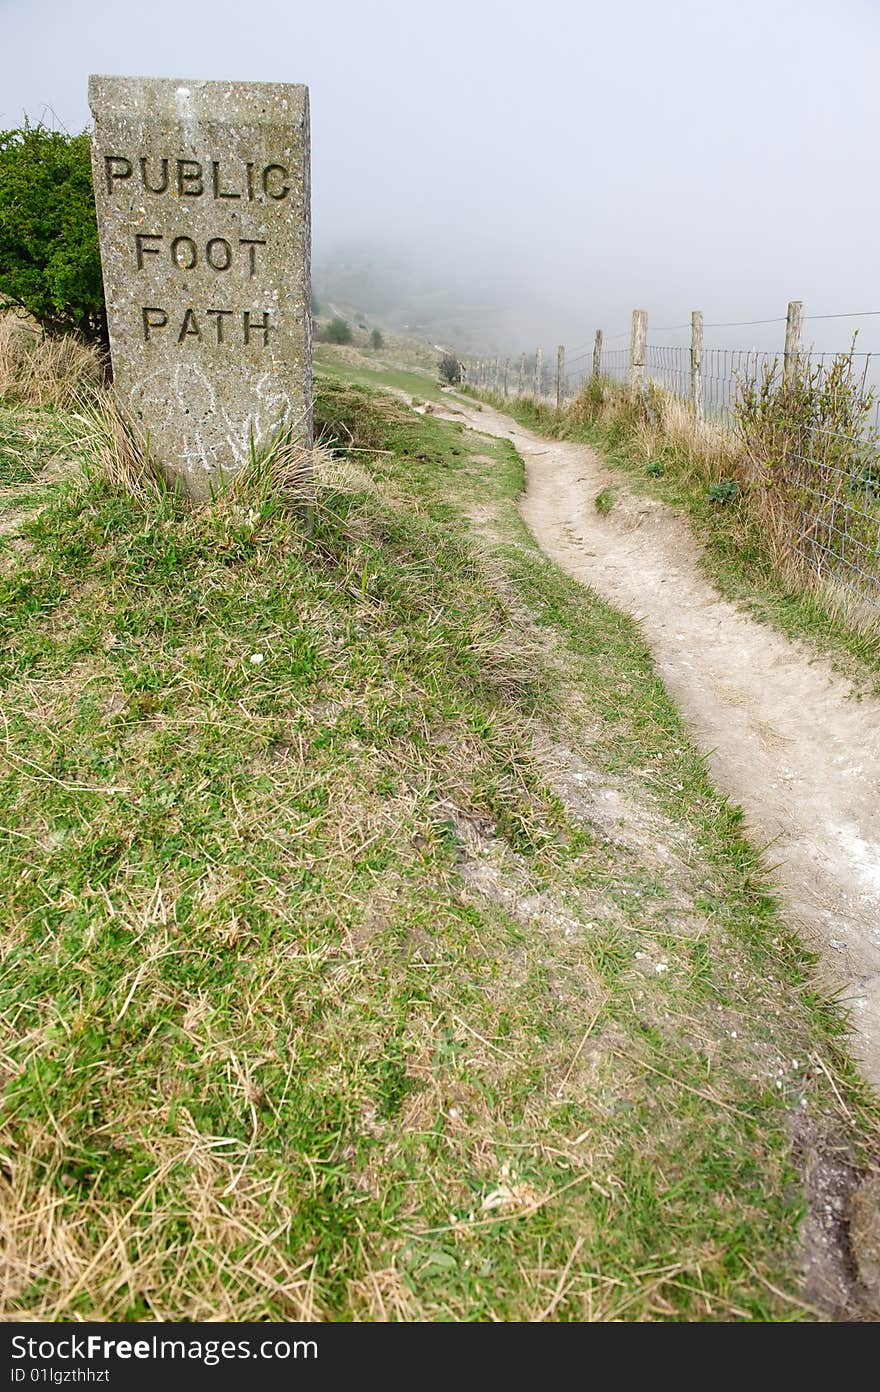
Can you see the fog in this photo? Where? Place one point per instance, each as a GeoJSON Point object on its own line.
{"type": "Point", "coordinates": [505, 174]}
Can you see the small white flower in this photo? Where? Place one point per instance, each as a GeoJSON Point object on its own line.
{"type": "Point", "coordinates": [256, 659]}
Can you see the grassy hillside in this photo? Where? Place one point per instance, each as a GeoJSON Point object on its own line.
{"type": "Point", "coordinates": [355, 368]}
{"type": "Point", "coordinates": [376, 946]}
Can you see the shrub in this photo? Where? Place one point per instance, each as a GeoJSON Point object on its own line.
{"type": "Point", "coordinates": [812, 453]}
{"type": "Point", "coordinates": [337, 331]}
{"type": "Point", "coordinates": [450, 369]}
{"type": "Point", "coordinates": [727, 491]}
{"type": "Point", "coordinates": [376, 339]}
{"type": "Point", "coordinates": [50, 264]}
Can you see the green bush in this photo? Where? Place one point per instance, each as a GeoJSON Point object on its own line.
{"type": "Point", "coordinates": [337, 331]}
{"type": "Point", "coordinates": [450, 369]}
{"type": "Point", "coordinates": [49, 259]}
{"type": "Point", "coordinates": [376, 339]}
{"type": "Point", "coordinates": [727, 491]}
{"type": "Point", "coordinates": [813, 448]}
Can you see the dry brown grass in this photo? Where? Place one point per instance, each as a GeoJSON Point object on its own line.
{"type": "Point", "coordinates": [56, 1253]}
{"type": "Point", "coordinates": [111, 446]}
{"type": "Point", "coordinates": [708, 451]}
{"type": "Point", "coordinates": [713, 449]}
{"type": "Point", "coordinates": [37, 370]}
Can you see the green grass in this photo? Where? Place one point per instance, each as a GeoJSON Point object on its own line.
{"type": "Point", "coordinates": [334, 985]}
{"type": "Point", "coordinates": [29, 439]}
{"type": "Point", "coordinates": [733, 552]}
{"type": "Point", "coordinates": [422, 385]}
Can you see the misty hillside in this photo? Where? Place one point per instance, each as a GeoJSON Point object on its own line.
{"type": "Point", "coordinates": [414, 293]}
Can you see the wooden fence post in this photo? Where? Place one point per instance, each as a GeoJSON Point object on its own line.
{"type": "Point", "coordinates": [506, 374]}
{"type": "Point", "coordinates": [697, 365]}
{"type": "Point", "coordinates": [597, 354]}
{"type": "Point", "coordinates": [560, 377]}
{"type": "Point", "coordinates": [637, 351]}
{"type": "Point", "coordinates": [538, 384]}
{"type": "Point", "coordinates": [522, 375]}
{"type": "Point", "coordinates": [793, 325]}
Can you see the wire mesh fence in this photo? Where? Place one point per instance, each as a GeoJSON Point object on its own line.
{"type": "Point", "coordinates": [837, 532]}
{"type": "Point", "coordinates": [615, 363]}
{"type": "Point", "coordinates": [812, 445]}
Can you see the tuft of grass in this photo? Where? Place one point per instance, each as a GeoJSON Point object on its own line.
{"type": "Point", "coordinates": [355, 419]}
{"type": "Point", "coordinates": [282, 468]}
{"type": "Point", "coordinates": [604, 501]}
{"type": "Point", "coordinates": [111, 447]}
{"type": "Point", "coordinates": [39, 370]}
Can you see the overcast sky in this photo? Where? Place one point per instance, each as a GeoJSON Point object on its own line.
{"type": "Point", "coordinates": [578, 157]}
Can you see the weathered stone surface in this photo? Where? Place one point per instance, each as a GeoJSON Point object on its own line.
{"type": "Point", "coordinates": [202, 193]}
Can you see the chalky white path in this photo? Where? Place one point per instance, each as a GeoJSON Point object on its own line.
{"type": "Point", "coordinates": [786, 738]}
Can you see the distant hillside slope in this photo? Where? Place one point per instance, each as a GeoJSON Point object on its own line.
{"type": "Point", "coordinates": [465, 307]}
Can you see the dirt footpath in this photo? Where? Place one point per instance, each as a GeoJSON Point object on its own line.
{"type": "Point", "coordinates": [785, 738]}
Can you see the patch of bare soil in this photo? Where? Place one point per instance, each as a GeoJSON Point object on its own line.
{"type": "Point", "coordinates": [840, 1235]}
